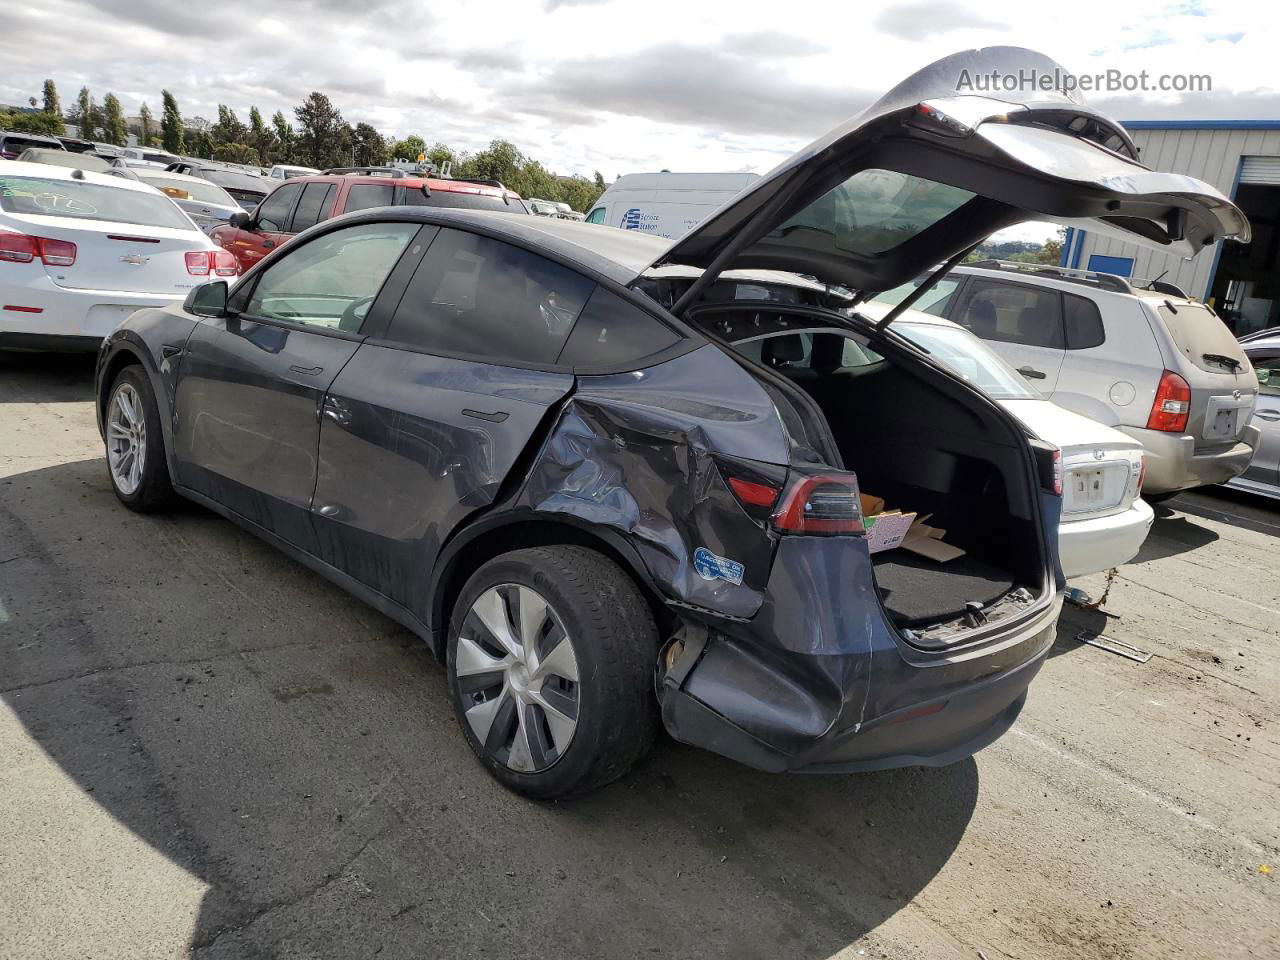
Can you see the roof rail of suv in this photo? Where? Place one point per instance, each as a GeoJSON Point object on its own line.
{"type": "Point", "coordinates": [392, 172]}
{"type": "Point", "coordinates": [1107, 281]}
{"type": "Point", "coordinates": [480, 180]}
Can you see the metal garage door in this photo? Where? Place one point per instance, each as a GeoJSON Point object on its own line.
{"type": "Point", "coordinates": [1261, 170]}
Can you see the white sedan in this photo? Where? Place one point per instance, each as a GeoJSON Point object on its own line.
{"type": "Point", "coordinates": [1104, 518]}
{"type": "Point", "coordinates": [81, 251]}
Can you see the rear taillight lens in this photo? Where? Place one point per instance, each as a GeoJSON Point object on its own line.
{"type": "Point", "coordinates": [1172, 405]}
{"type": "Point", "coordinates": [1057, 472]}
{"type": "Point", "coordinates": [22, 248]}
{"type": "Point", "coordinates": [198, 263]}
{"type": "Point", "coordinates": [225, 263]}
{"type": "Point", "coordinates": [825, 504]}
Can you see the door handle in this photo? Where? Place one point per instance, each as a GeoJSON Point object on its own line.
{"type": "Point", "coordinates": [306, 371]}
{"type": "Point", "coordinates": [496, 417]}
{"type": "Point", "coordinates": [1031, 373]}
{"type": "Point", "coordinates": [1267, 415]}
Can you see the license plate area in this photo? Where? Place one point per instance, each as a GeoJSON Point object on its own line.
{"type": "Point", "coordinates": [1224, 417]}
{"type": "Point", "coordinates": [1089, 488]}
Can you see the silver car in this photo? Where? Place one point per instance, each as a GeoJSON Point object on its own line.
{"type": "Point", "coordinates": [1263, 474]}
{"type": "Point", "coordinates": [1136, 355]}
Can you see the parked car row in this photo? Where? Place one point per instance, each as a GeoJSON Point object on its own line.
{"type": "Point", "coordinates": [616, 481]}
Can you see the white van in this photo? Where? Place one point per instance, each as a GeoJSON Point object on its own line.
{"type": "Point", "coordinates": [666, 204]}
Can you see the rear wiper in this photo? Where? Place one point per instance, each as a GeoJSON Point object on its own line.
{"type": "Point", "coordinates": [1230, 363]}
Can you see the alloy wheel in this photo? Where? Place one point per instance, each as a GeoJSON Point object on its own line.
{"type": "Point", "coordinates": [126, 439]}
{"type": "Point", "coordinates": [517, 677]}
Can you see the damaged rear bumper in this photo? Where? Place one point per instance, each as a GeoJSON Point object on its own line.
{"type": "Point", "coordinates": [789, 712]}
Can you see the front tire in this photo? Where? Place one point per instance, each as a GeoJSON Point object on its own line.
{"type": "Point", "coordinates": [550, 658]}
{"type": "Point", "coordinates": [135, 443]}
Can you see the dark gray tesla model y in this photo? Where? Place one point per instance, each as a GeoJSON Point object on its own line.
{"type": "Point", "coordinates": [614, 481]}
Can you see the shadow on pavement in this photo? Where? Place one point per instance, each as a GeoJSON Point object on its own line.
{"type": "Point", "coordinates": [45, 377]}
{"type": "Point", "coordinates": [1239, 508]}
{"type": "Point", "coordinates": [1172, 534]}
{"type": "Point", "coordinates": [297, 752]}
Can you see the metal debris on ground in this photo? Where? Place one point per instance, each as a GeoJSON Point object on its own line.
{"type": "Point", "coordinates": [1079, 598]}
{"type": "Point", "coordinates": [1112, 645]}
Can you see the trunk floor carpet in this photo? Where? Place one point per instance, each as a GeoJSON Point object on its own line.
{"type": "Point", "coordinates": [915, 589]}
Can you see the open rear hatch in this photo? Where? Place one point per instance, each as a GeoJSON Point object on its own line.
{"type": "Point", "coordinates": [919, 178]}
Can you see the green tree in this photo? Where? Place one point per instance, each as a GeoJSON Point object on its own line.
{"type": "Point", "coordinates": [284, 140]}
{"type": "Point", "coordinates": [236, 153]}
{"type": "Point", "coordinates": [1051, 252]}
{"type": "Point", "coordinates": [113, 130]}
{"type": "Point", "coordinates": [368, 146]}
{"type": "Point", "coordinates": [228, 129]}
{"type": "Point", "coordinates": [81, 116]}
{"type": "Point", "coordinates": [321, 132]}
{"type": "Point", "coordinates": [260, 136]}
{"type": "Point", "coordinates": [147, 123]}
{"type": "Point", "coordinates": [171, 132]}
{"type": "Point", "coordinates": [51, 102]}
{"type": "Point", "coordinates": [410, 148]}
{"type": "Point", "coordinates": [599, 182]}
{"type": "Point", "coordinates": [440, 155]}
{"type": "Point", "coordinates": [37, 122]}
{"type": "Point", "coordinates": [200, 144]}
{"type": "Point", "coordinates": [501, 161]}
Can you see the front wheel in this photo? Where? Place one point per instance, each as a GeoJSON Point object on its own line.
{"type": "Point", "coordinates": [551, 656]}
{"type": "Point", "coordinates": [135, 445]}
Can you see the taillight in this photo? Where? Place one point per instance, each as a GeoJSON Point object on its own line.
{"type": "Point", "coordinates": [1142, 472]}
{"type": "Point", "coordinates": [225, 263]}
{"type": "Point", "coordinates": [1057, 472]}
{"type": "Point", "coordinates": [23, 248]}
{"type": "Point", "coordinates": [198, 262]}
{"type": "Point", "coordinates": [821, 503]}
{"type": "Point", "coordinates": [1172, 405]}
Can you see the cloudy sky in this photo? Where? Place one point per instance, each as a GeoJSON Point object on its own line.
{"type": "Point", "coordinates": [615, 85]}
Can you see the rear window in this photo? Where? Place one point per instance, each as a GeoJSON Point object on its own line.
{"type": "Point", "coordinates": [875, 211]}
{"type": "Point", "coordinates": [234, 181]}
{"type": "Point", "coordinates": [16, 144]}
{"type": "Point", "coordinates": [1201, 337]}
{"type": "Point", "coordinates": [1013, 313]}
{"type": "Point", "coordinates": [193, 189]}
{"type": "Point", "coordinates": [164, 158]}
{"type": "Point", "coordinates": [76, 200]}
{"type": "Point", "coordinates": [414, 197]}
{"type": "Point", "coordinates": [363, 196]}
{"type": "Point", "coordinates": [934, 301]}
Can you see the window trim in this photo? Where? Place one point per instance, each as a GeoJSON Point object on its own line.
{"type": "Point", "coordinates": [248, 290]}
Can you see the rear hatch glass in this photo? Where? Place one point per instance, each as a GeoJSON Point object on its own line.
{"type": "Point", "coordinates": [77, 200]}
{"type": "Point", "coordinates": [1203, 338]}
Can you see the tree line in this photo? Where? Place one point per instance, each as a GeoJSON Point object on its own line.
{"type": "Point", "coordinates": [317, 137]}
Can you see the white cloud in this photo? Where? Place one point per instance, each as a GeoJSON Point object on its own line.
{"type": "Point", "coordinates": [617, 86]}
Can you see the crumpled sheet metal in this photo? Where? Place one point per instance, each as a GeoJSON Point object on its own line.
{"type": "Point", "coordinates": [641, 460]}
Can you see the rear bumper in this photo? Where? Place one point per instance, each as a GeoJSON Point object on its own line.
{"type": "Point", "coordinates": [815, 714]}
{"type": "Point", "coordinates": [1173, 464]}
{"type": "Point", "coordinates": [42, 311]}
{"type": "Point", "coordinates": [1092, 545]}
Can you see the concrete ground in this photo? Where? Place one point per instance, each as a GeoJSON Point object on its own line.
{"type": "Point", "coordinates": [206, 749]}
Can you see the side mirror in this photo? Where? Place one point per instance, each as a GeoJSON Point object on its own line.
{"type": "Point", "coordinates": [208, 299]}
{"type": "Point", "coordinates": [240, 220]}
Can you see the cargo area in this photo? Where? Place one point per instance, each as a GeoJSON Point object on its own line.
{"type": "Point", "coordinates": [923, 445]}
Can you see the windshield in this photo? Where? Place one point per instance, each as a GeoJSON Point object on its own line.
{"type": "Point", "coordinates": [164, 158]}
{"type": "Point", "coordinates": [65, 158]}
{"type": "Point", "coordinates": [969, 358]}
{"type": "Point", "coordinates": [875, 211]}
{"type": "Point", "coordinates": [75, 200]}
{"type": "Point", "coordinates": [183, 189]}
{"type": "Point", "coordinates": [235, 181]}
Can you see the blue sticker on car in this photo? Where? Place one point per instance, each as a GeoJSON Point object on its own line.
{"type": "Point", "coordinates": [712, 567]}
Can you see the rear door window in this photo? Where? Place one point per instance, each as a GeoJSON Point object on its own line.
{"type": "Point", "coordinates": [313, 206]}
{"type": "Point", "coordinates": [1013, 313]}
{"type": "Point", "coordinates": [477, 297]}
{"type": "Point", "coordinates": [364, 196]}
{"type": "Point", "coordinates": [1082, 322]}
{"type": "Point", "coordinates": [273, 212]}
{"type": "Point", "coordinates": [460, 199]}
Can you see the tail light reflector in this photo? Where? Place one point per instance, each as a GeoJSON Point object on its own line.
{"type": "Point", "coordinates": [1172, 405]}
{"type": "Point", "coordinates": [823, 504]}
{"type": "Point", "coordinates": [752, 493]}
{"type": "Point", "coordinates": [225, 263]}
{"type": "Point", "coordinates": [23, 248]}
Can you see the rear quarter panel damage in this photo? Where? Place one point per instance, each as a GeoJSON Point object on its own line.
{"type": "Point", "coordinates": [635, 452]}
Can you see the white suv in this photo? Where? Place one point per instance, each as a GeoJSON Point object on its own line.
{"type": "Point", "coordinates": [1136, 355]}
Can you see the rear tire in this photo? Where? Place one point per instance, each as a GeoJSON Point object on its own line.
{"type": "Point", "coordinates": [135, 443]}
{"type": "Point", "coordinates": [551, 655]}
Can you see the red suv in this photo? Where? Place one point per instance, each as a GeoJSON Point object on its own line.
{"type": "Point", "coordinates": [303, 202]}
